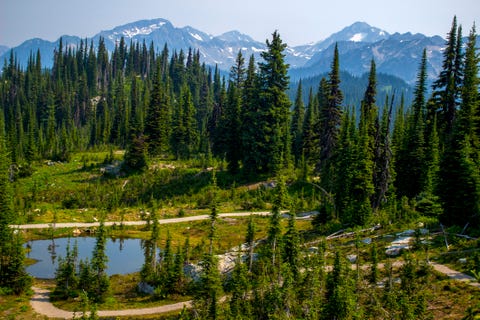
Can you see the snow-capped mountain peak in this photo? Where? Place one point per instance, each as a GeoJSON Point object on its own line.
{"type": "Point", "coordinates": [357, 43]}
{"type": "Point", "coordinates": [139, 28]}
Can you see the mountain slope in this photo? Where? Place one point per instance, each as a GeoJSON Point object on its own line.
{"type": "Point", "coordinates": [3, 49]}
{"type": "Point", "coordinates": [399, 55]}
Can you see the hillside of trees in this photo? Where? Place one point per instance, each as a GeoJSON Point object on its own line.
{"type": "Point", "coordinates": [170, 105]}
{"type": "Point", "coordinates": [369, 160]}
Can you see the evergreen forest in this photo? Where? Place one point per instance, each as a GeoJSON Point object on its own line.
{"type": "Point", "coordinates": [381, 160]}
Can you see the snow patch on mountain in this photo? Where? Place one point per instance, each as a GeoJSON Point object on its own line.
{"type": "Point", "coordinates": [258, 49]}
{"type": "Point", "coordinates": [134, 31]}
{"type": "Point", "coordinates": [196, 36]}
{"type": "Point", "coordinates": [357, 37]}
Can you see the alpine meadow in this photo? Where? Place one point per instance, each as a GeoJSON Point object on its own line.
{"type": "Point", "coordinates": [258, 191]}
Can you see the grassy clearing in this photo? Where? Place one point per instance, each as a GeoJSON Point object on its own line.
{"type": "Point", "coordinates": [17, 307]}
{"type": "Point", "coordinates": [123, 296]}
{"type": "Point", "coordinates": [81, 191]}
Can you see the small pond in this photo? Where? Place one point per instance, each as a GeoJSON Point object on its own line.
{"type": "Point", "coordinates": [124, 255]}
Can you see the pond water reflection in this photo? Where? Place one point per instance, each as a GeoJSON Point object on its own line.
{"type": "Point", "coordinates": [124, 255]}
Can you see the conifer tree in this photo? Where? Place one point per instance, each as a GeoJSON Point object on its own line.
{"type": "Point", "coordinates": [13, 276]}
{"type": "Point", "coordinates": [363, 188]}
{"type": "Point", "coordinates": [297, 124]}
{"type": "Point", "coordinates": [291, 247]}
{"type": "Point", "coordinates": [274, 113]}
{"type": "Point", "coordinates": [329, 125]}
{"type": "Point", "coordinates": [100, 281]}
{"type": "Point", "coordinates": [66, 274]}
{"type": "Point", "coordinates": [341, 299]}
{"type": "Point", "coordinates": [240, 284]}
{"type": "Point", "coordinates": [185, 133]}
{"type": "Point", "coordinates": [310, 136]}
{"type": "Point", "coordinates": [250, 120]}
{"type": "Point", "coordinates": [209, 290]}
{"type": "Point", "coordinates": [446, 89]}
{"type": "Point", "coordinates": [136, 153]}
{"type": "Point", "coordinates": [148, 273]}
{"type": "Point", "coordinates": [459, 183]}
{"type": "Point", "coordinates": [384, 172]}
{"type": "Point", "coordinates": [250, 240]}
{"type": "Point", "coordinates": [410, 164]}
{"type": "Point", "coordinates": [157, 121]}
{"type": "Point", "coordinates": [347, 155]}
{"type": "Point", "coordinates": [232, 126]}
{"type": "Point", "coordinates": [274, 228]}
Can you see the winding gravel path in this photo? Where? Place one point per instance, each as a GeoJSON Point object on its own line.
{"type": "Point", "coordinates": [134, 223]}
{"type": "Point", "coordinates": [455, 275]}
{"type": "Point", "coordinates": [40, 302]}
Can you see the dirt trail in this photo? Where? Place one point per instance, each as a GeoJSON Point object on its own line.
{"type": "Point", "coordinates": [134, 223]}
{"type": "Point", "coordinates": [41, 304]}
{"type": "Point", "coordinates": [455, 275]}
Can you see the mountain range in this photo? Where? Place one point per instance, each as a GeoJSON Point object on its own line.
{"type": "Point", "coordinates": [395, 54]}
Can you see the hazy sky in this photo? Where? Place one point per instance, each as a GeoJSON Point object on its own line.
{"type": "Point", "coordinates": [298, 21]}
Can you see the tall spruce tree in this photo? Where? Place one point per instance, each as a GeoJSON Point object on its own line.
{"type": "Point", "coordinates": [231, 125]}
{"type": "Point", "coordinates": [459, 183]}
{"type": "Point", "coordinates": [250, 120]}
{"type": "Point", "coordinates": [100, 282]}
{"type": "Point", "coordinates": [329, 124]}
{"type": "Point", "coordinates": [310, 136]}
{"type": "Point", "coordinates": [410, 164]}
{"type": "Point", "coordinates": [13, 276]}
{"type": "Point", "coordinates": [446, 89]}
{"type": "Point", "coordinates": [384, 171]}
{"type": "Point", "coordinates": [296, 127]}
{"type": "Point", "coordinates": [157, 122]}
{"type": "Point", "coordinates": [274, 113]}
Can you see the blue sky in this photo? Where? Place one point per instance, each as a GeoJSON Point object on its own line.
{"type": "Point", "coordinates": [298, 21]}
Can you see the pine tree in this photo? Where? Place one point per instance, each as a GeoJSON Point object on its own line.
{"type": "Point", "coordinates": [384, 172]}
{"type": "Point", "coordinates": [329, 125]}
{"type": "Point", "coordinates": [250, 121]}
{"type": "Point", "coordinates": [240, 284]}
{"type": "Point", "coordinates": [291, 247]}
{"type": "Point", "coordinates": [446, 89]}
{"type": "Point", "coordinates": [363, 188]}
{"type": "Point", "coordinates": [100, 281]}
{"type": "Point", "coordinates": [410, 165]}
{"type": "Point", "coordinates": [341, 299]}
{"type": "Point", "coordinates": [13, 276]}
{"type": "Point", "coordinates": [149, 268]}
{"type": "Point", "coordinates": [232, 126]}
{"type": "Point", "coordinates": [250, 240]}
{"type": "Point", "coordinates": [157, 121]}
{"type": "Point", "coordinates": [274, 113]}
{"type": "Point", "coordinates": [310, 137]}
{"type": "Point", "coordinates": [274, 228]}
{"type": "Point", "coordinates": [459, 183]}
{"type": "Point", "coordinates": [185, 133]}
{"type": "Point", "coordinates": [66, 274]}
{"type": "Point", "coordinates": [136, 154]}
{"type": "Point", "coordinates": [209, 289]}
{"type": "Point", "coordinates": [297, 124]}
{"type": "Point", "coordinates": [346, 157]}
